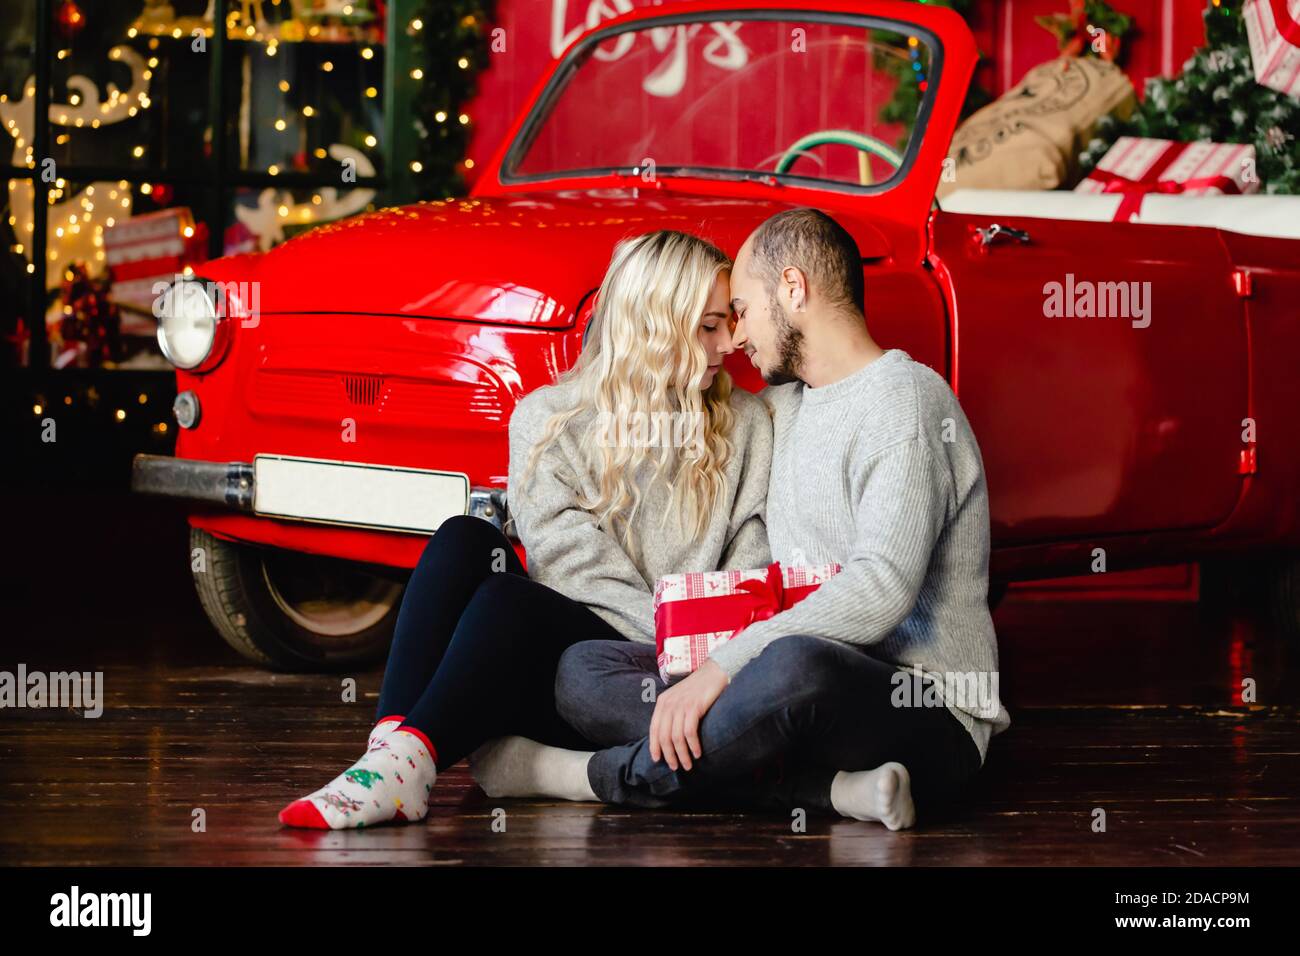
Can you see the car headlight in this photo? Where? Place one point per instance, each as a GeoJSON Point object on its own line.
{"type": "Point", "coordinates": [192, 330]}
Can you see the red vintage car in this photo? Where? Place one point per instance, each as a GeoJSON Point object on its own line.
{"type": "Point", "coordinates": [343, 394]}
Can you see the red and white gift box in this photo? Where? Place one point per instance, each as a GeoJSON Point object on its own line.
{"type": "Point", "coordinates": [1273, 29]}
{"type": "Point", "coordinates": [151, 248]}
{"type": "Point", "coordinates": [1135, 166]}
{"type": "Point", "coordinates": [697, 611]}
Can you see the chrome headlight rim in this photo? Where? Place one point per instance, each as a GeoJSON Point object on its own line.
{"type": "Point", "coordinates": [219, 341]}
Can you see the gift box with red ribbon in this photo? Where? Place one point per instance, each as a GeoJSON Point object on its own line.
{"type": "Point", "coordinates": [1135, 167]}
{"type": "Point", "coordinates": [145, 250]}
{"type": "Point", "coordinates": [1273, 30]}
{"type": "Point", "coordinates": [696, 612]}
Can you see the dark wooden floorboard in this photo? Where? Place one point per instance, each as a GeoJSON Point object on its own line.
{"type": "Point", "coordinates": [1133, 708]}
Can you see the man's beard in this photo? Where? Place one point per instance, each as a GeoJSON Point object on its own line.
{"type": "Point", "coordinates": [789, 348]}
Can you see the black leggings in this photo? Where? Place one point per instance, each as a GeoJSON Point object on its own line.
{"type": "Point", "coordinates": [477, 644]}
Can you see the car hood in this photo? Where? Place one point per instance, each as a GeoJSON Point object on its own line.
{"type": "Point", "coordinates": [523, 259]}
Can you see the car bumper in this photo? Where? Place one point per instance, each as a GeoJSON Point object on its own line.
{"type": "Point", "coordinates": [234, 486]}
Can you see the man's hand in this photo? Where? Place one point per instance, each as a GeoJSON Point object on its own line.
{"type": "Point", "coordinates": [674, 728]}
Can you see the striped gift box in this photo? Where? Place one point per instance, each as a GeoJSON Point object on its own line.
{"type": "Point", "coordinates": [150, 248]}
{"type": "Point", "coordinates": [1135, 166]}
{"type": "Point", "coordinates": [680, 654]}
{"type": "Point", "coordinates": [1273, 30]}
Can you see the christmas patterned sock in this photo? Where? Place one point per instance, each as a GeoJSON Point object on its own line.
{"type": "Point", "coordinates": [390, 783]}
{"type": "Point", "coordinates": [383, 728]}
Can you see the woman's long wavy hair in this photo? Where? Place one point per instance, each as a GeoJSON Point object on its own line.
{"type": "Point", "coordinates": [643, 357]}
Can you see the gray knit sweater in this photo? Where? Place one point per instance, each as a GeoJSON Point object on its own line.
{"type": "Point", "coordinates": [880, 472]}
{"type": "Point", "coordinates": [570, 554]}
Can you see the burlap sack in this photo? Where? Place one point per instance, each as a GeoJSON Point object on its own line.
{"type": "Point", "coordinates": [1032, 136]}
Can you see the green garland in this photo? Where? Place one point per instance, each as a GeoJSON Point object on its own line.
{"type": "Point", "coordinates": [1216, 98]}
{"type": "Point", "coordinates": [453, 30]}
{"type": "Point", "coordinates": [902, 107]}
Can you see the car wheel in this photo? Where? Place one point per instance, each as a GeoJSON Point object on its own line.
{"type": "Point", "coordinates": [1284, 599]}
{"type": "Point", "coordinates": [292, 611]}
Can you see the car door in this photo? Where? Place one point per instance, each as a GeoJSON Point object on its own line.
{"type": "Point", "coordinates": [1103, 367]}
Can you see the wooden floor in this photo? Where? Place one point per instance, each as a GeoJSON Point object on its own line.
{"type": "Point", "coordinates": [1126, 707]}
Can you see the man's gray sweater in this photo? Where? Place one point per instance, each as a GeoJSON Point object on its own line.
{"type": "Point", "coordinates": [880, 472]}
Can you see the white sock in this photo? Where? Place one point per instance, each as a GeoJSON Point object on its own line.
{"type": "Point", "coordinates": [391, 782]}
{"type": "Point", "coordinates": [519, 767]}
{"type": "Point", "coordinates": [883, 795]}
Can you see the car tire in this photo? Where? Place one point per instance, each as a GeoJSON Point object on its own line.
{"type": "Point", "coordinates": [290, 611]}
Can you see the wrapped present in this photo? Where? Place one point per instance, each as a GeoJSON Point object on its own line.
{"type": "Point", "coordinates": [696, 612]}
{"type": "Point", "coordinates": [1273, 29]}
{"type": "Point", "coordinates": [1134, 167]}
{"type": "Point", "coordinates": [150, 248]}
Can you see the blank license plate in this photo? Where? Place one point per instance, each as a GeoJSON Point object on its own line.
{"type": "Point", "coordinates": [357, 495]}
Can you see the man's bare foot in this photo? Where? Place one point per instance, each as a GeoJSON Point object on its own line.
{"type": "Point", "coordinates": [883, 795]}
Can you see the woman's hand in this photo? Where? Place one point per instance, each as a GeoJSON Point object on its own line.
{"type": "Point", "coordinates": [675, 726]}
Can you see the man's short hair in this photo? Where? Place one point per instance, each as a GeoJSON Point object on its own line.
{"type": "Point", "coordinates": [812, 241]}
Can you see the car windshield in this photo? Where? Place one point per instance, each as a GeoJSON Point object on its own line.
{"type": "Point", "coordinates": [817, 99]}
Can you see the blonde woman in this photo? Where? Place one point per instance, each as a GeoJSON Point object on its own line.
{"type": "Point", "coordinates": [640, 461]}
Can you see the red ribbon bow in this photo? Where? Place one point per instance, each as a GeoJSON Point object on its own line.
{"type": "Point", "coordinates": [752, 601]}
{"type": "Point", "coordinates": [1134, 191]}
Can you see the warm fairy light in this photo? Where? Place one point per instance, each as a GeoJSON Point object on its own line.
{"type": "Point", "coordinates": [320, 152]}
{"type": "Point", "coordinates": [308, 111]}
{"type": "Point", "coordinates": [283, 211]}
{"type": "Point", "coordinates": [138, 152]}
{"type": "Point", "coordinates": [371, 92]}
{"type": "Point", "coordinates": [280, 125]}
{"type": "Point", "coordinates": [120, 414]}
{"type": "Point", "coordinates": [284, 86]}
{"type": "Point", "coordinates": [273, 170]}
{"type": "Point", "coordinates": [417, 24]}
{"type": "Point", "coordinates": [367, 53]}
{"type": "Point", "coordinates": [464, 118]}
{"type": "Point", "coordinates": [463, 63]}
{"type": "Point", "coordinates": [417, 166]}
{"type": "Point", "coordinates": [31, 267]}
{"type": "Point", "coordinates": [146, 188]}
{"type": "Point", "coordinates": [417, 74]}
{"type": "Point", "coordinates": [327, 66]}
{"type": "Point", "coordinates": [37, 409]}
{"type": "Point", "coordinates": [371, 141]}
{"type": "Point", "coordinates": [188, 270]}
{"type": "Point", "coordinates": [315, 199]}
{"type": "Point", "coordinates": [271, 49]}
{"type": "Point", "coordinates": [440, 116]}
{"type": "Point", "coordinates": [142, 398]}
{"type": "Point", "coordinates": [188, 231]}
{"type": "Point", "coordinates": [469, 164]}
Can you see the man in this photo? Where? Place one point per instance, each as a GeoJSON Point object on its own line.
{"type": "Point", "coordinates": [878, 692]}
